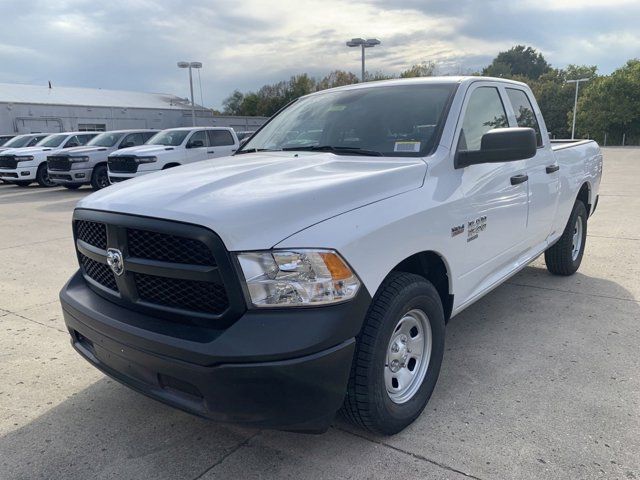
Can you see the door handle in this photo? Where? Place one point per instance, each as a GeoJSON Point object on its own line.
{"type": "Point", "coordinates": [553, 168]}
{"type": "Point", "coordinates": [211, 151]}
{"type": "Point", "coordinates": [517, 179]}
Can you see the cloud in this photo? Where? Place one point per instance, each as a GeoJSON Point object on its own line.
{"type": "Point", "coordinates": [135, 44]}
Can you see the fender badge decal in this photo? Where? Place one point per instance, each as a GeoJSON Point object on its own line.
{"type": "Point", "coordinates": [457, 230]}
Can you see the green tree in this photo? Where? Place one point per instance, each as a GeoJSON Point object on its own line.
{"type": "Point", "coordinates": [337, 78]}
{"type": "Point", "coordinates": [233, 103]}
{"type": "Point", "coordinates": [519, 60]}
{"type": "Point", "coordinates": [424, 69]}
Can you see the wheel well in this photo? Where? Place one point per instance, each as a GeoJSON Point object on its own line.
{"type": "Point", "coordinates": [431, 266]}
{"type": "Point", "coordinates": [170, 165]}
{"type": "Point", "coordinates": [583, 196]}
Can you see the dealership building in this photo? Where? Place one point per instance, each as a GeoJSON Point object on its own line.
{"type": "Point", "coordinates": [36, 108]}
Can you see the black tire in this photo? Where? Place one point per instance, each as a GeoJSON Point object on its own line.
{"type": "Point", "coordinates": [368, 404]}
{"type": "Point", "coordinates": [171, 165]}
{"type": "Point", "coordinates": [100, 177]}
{"type": "Point", "coordinates": [560, 258]}
{"type": "Point", "coordinates": [22, 183]}
{"type": "Point", "coordinates": [72, 186]}
{"type": "Point", "coordinates": [42, 177]}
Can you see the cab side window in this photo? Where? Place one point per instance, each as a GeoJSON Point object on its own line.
{"type": "Point", "coordinates": [198, 139]}
{"type": "Point", "coordinates": [523, 109]}
{"type": "Point", "coordinates": [83, 139]}
{"type": "Point", "coordinates": [132, 140]}
{"type": "Point", "coordinates": [219, 138]}
{"type": "Point", "coordinates": [147, 135]}
{"type": "Point", "coordinates": [485, 111]}
{"type": "Point", "coordinates": [72, 142]}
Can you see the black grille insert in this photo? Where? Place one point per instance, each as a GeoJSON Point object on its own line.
{"type": "Point", "coordinates": [203, 297]}
{"type": "Point", "coordinates": [59, 163]}
{"type": "Point", "coordinates": [99, 272]}
{"type": "Point", "coordinates": [168, 248]}
{"type": "Point", "coordinates": [93, 233]}
{"type": "Point", "coordinates": [122, 164]}
{"type": "Point", "coordinates": [8, 161]}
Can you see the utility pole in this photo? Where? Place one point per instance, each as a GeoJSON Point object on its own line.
{"type": "Point", "coordinates": [575, 104]}
{"type": "Point", "coordinates": [362, 43]}
{"type": "Point", "coordinates": [191, 65]}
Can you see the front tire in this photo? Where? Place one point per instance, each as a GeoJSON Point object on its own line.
{"type": "Point", "coordinates": [565, 256]}
{"type": "Point", "coordinates": [100, 177]}
{"type": "Point", "coordinates": [398, 355]}
{"type": "Point", "coordinates": [42, 177]}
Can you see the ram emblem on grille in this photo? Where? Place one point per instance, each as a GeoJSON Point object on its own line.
{"type": "Point", "coordinates": [115, 261]}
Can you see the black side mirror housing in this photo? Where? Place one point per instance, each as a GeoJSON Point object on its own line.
{"type": "Point", "coordinates": [71, 145]}
{"type": "Point", "coordinates": [500, 145]}
{"type": "Point", "coordinates": [195, 144]}
{"type": "Point", "coordinates": [127, 145]}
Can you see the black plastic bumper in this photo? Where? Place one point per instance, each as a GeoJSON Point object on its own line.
{"type": "Point", "coordinates": [285, 369]}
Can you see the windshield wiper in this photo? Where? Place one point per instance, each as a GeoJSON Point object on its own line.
{"type": "Point", "coordinates": [254, 150]}
{"type": "Point", "coordinates": [337, 150]}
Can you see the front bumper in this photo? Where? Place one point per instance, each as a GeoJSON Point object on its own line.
{"type": "Point", "coordinates": [18, 174]}
{"type": "Point", "coordinates": [274, 369]}
{"type": "Point", "coordinates": [73, 176]}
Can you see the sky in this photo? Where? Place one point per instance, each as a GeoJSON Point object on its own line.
{"type": "Point", "coordinates": [135, 44]}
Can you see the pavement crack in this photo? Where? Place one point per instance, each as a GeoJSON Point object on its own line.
{"type": "Point", "coordinates": [574, 292]}
{"type": "Point", "coordinates": [36, 243]}
{"type": "Point", "coordinates": [34, 321]}
{"type": "Point", "coordinates": [613, 238]}
{"type": "Point", "coordinates": [412, 454]}
{"type": "Point", "coordinates": [227, 455]}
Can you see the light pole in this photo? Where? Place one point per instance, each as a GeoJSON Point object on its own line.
{"type": "Point", "coordinates": [575, 104]}
{"type": "Point", "coordinates": [361, 42]}
{"type": "Point", "coordinates": [191, 65]}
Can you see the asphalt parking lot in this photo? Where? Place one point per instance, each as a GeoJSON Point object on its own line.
{"type": "Point", "coordinates": [540, 378]}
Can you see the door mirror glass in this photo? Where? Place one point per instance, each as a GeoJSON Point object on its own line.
{"type": "Point", "coordinates": [500, 145]}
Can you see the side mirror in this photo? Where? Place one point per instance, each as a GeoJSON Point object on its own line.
{"type": "Point", "coordinates": [127, 145]}
{"type": "Point", "coordinates": [500, 145]}
{"type": "Point", "coordinates": [195, 144]}
{"type": "Point", "coordinates": [71, 145]}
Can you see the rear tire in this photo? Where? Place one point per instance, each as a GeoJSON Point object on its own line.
{"type": "Point", "coordinates": [42, 177]}
{"type": "Point", "coordinates": [375, 401]}
{"type": "Point", "coordinates": [564, 257]}
{"type": "Point", "coordinates": [100, 177]}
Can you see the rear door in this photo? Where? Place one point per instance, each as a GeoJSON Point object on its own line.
{"type": "Point", "coordinates": [493, 235]}
{"type": "Point", "coordinates": [221, 143]}
{"type": "Point", "coordinates": [542, 169]}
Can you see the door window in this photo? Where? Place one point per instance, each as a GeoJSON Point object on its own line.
{"type": "Point", "coordinates": [524, 111]}
{"type": "Point", "coordinates": [132, 140]}
{"type": "Point", "coordinates": [219, 138]}
{"type": "Point", "coordinates": [199, 137]}
{"type": "Point", "coordinates": [485, 111]}
{"type": "Point", "coordinates": [82, 139]}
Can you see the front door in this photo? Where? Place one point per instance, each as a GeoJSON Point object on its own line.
{"type": "Point", "coordinates": [197, 146]}
{"type": "Point", "coordinates": [495, 203]}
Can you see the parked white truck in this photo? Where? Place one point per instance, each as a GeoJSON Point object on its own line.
{"type": "Point", "coordinates": [23, 166]}
{"type": "Point", "coordinates": [23, 141]}
{"type": "Point", "coordinates": [171, 148]}
{"type": "Point", "coordinates": [289, 281]}
{"type": "Point", "coordinates": [79, 166]}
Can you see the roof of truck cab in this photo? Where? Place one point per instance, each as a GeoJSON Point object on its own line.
{"type": "Point", "coordinates": [197, 128]}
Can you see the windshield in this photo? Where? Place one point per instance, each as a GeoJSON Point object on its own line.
{"type": "Point", "coordinates": [17, 142]}
{"type": "Point", "coordinates": [171, 138]}
{"type": "Point", "coordinates": [398, 120]}
{"type": "Point", "coordinates": [106, 139]}
{"type": "Point", "coordinates": [52, 141]}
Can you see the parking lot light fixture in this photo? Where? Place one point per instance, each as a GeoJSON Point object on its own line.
{"type": "Point", "coordinates": [362, 43]}
{"type": "Point", "coordinates": [575, 104]}
{"type": "Point", "coordinates": [191, 65]}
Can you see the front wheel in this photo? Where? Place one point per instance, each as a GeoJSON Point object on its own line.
{"type": "Point", "coordinates": [564, 257]}
{"type": "Point", "coordinates": [398, 355]}
{"type": "Point", "coordinates": [100, 177]}
{"type": "Point", "coordinates": [42, 177]}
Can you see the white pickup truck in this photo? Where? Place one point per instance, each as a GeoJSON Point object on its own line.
{"type": "Point", "coordinates": [78, 166]}
{"type": "Point", "coordinates": [294, 279]}
{"type": "Point", "coordinates": [23, 141]}
{"type": "Point", "coordinates": [23, 166]}
{"type": "Point", "coordinates": [171, 148]}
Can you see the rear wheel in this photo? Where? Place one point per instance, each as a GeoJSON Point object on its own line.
{"type": "Point", "coordinates": [565, 256]}
{"type": "Point", "coordinates": [100, 177]}
{"type": "Point", "coordinates": [398, 355]}
{"type": "Point", "coordinates": [42, 177]}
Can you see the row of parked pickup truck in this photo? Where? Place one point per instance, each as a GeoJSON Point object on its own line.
{"type": "Point", "coordinates": [73, 159]}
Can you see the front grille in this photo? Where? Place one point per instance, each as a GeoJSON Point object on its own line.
{"type": "Point", "coordinates": [191, 295]}
{"type": "Point", "coordinates": [174, 271]}
{"type": "Point", "coordinates": [123, 164]}
{"type": "Point", "coordinates": [59, 163]}
{"type": "Point", "coordinates": [93, 233]}
{"type": "Point", "coordinates": [8, 161]}
{"type": "Point", "coordinates": [8, 175]}
{"type": "Point", "coordinates": [168, 248]}
{"type": "Point", "coordinates": [99, 272]}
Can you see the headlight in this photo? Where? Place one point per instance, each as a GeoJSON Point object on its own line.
{"type": "Point", "coordinates": [23, 158]}
{"type": "Point", "coordinates": [78, 159]}
{"type": "Point", "coordinates": [303, 277]}
{"type": "Point", "coordinates": [146, 159]}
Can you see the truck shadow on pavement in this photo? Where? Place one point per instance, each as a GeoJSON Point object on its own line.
{"type": "Point", "coordinates": [527, 376]}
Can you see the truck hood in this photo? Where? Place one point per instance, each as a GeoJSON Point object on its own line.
{"type": "Point", "coordinates": [145, 150]}
{"type": "Point", "coordinates": [254, 201]}
{"type": "Point", "coordinates": [84, 150]}
{"type": "Point", "coordinates": [28, 150]}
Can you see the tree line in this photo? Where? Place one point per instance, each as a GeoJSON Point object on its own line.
{"type": "Point", "coordinates": [608, 105]}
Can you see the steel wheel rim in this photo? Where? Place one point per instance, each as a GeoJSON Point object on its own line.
{"type": "Point", "coordinates": [103, 180]}
{"type": "Point", "coordinates": [45, 178]}
{"type": "Point", "coordinates": [408, 356]}
{"type": "Point", "coordinates": [576, 243]}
